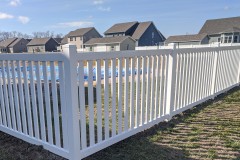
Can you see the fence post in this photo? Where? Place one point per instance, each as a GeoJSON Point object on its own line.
{"type": "Point", "coordinates": [171, 80]}
{"type": "Point", "coordinates": [70, 69]}
{"type": "Point", "coordinates": [215, 65]}
{"type": "Point", "coordinates": [238, 78]}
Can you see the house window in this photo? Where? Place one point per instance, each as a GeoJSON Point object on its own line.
{"type": "Point", "coordinates": [152, 35]}
{"type": "Point", "coordinates": [71, 38]}
{"type": "Point", "coordinates": [219, 39]}
{"type": "Point", "coordinates": [112, 48]}
{"type": "Point", "coordinates": [91, 48]}
{"type": "Point", "coordinates": [75, 38]}
{"type": "Point", "coordinates": [235, 39]}
{"type": "Point", "coordinates": [229, 39]}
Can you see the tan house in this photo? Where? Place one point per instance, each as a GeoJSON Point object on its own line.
{"type": "Point", "coordinates": [13, 45]}
{"type": "Point", "coordinates": [108, 44]}
{"type": "Point", "coordinates": [42, 45]}
{"type": "Point", "coordinates": [82, 35]}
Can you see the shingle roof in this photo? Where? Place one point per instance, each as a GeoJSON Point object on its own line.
{"type": "Point", "coordinates": [65, 39]}
{"type": "Point", "coordinates": [80, 32]}
{"type": "Point", "coordinates": [38, 41]}
{"type": "Point", "coordinates": [216, 26]}
{"type": "Point", "coordinates": [186, 38]}
{"type": "Point", "coordinates": [120, 27]}
{"type": "Point", "coordinates": [232, 29]}
{"type": "Point", "coordinates": [7, 42]}
{"type": "Point", "coordinates": [141, 28]}
{"type": "Point", "coordinates": [58, 40]}
{"type": "Point", "coordinates": [15, 42]}
{"type": "Point", "coordinates": [108, 40]}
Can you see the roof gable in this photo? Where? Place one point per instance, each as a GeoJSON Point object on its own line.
{"type": "Point", "coordinates": [16, 41]}
{"type": "Point", "coordinates": [80, 32]}
{"type": "Point", "coordinates": [120, 27]}
{"type": "Point", "coordinates": [141, 28]}
{"type": "Point", "coordinates": [7, 42]}
{"type": "Point", "coordinates": [38, 41]}
{"type": "Point", "coordinates": [216, 26]}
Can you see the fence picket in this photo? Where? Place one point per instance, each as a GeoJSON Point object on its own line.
{"type": "Point", "coordinates": [40, 102]}
{"type": "Point", "coordinates": [21, 98]}
{"type": "Point", "coordinates": [47, 104]}
{"type": "Point", "coordinates": [132, 94]}
{"type": "Point", "coordinates": [138, 114]}
{"type": "Point", "coordinates": [55, 104]}
{"type": "Point", "coordinates": [126, 96]}
{"type": "Point", "coordinates": [106, 100]}
{"type": "Point", "coordinates": [119, 95]}
{"type": "Point", "coordinates": [113, 95]}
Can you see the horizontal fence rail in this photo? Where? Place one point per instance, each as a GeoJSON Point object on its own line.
{"type": "Point", "coordinates": [75, 104]}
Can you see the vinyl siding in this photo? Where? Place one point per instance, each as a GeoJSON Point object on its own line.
{"type": "Point", "coordinates": [147, 39]}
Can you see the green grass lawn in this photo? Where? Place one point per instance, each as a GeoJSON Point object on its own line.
{"type": "Point", "coordinates": [207, 131]}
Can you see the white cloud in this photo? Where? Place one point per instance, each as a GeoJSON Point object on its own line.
{"type": "Point", "coordinates": [23, 19]}
{"type": "Point", "coordinates": [96, 2]}
{"type": "Point", "coordinates": [73, 24]}
{"type": "Point", "coordinates": [14, 3]}
{"type": "Point", "coordinates": [104, 9]}
{"type": "Point", "coordinates": [226, 8]}
{"type": "Point", "coordinates": [5, 16]}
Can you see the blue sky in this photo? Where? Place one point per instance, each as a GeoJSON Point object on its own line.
{"type": "Point", "coordinates": [171, 17]}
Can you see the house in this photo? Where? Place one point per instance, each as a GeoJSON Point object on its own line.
{"type": "Point", "coordinates": [13, 45]}
{"type": "Point", "coordinates": [225, 30]}
{"type": "Point", "coordinates": [82, 35]}
{"type": "Point", "coordinates": [58, 40]}
{"type": "Point", "coordinates": [42, 45]}
{"type": "Point", "coordinates": [63, 42]}
{"type": "Point", "coordinates": [108, 44]}
{"type": "Point", "coordinates": [194, 39]}
{"type": "Point", "coordinates": [144, 33]}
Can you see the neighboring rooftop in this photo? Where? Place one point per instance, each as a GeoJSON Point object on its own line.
{"type": "Point", "coordinates": [141, 28]}
{"type": "Point", "coordinates": [106, 40]}
{"type": "Point", "coordinates": [120, 27]}
{"type": "Point", "coordinates": [80, 32]}
{"type": "Point", "coordinates": [58, 40]}
{"type": "Point", "coordinates": [15, 42]}
{"type": "Point", "coordinates": [38, 41]}
{"type": "Point", "coordinates": [216, 26]}
{"type": "Point", "coordinates": [232, 30]}
{"type": "Point", "coordinates": [186, 38]}
{"type": "Point", "coordinates": [65, 39]}
{"type": "Point", "coordinates": [7, 42]}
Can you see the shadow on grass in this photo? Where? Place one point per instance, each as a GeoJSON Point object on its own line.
{"type": "Point", "coordinates": [140, 147]}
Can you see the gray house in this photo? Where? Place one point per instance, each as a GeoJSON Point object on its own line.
{"type": "Point", "coordinates": [225, 30]}
{"type": "Point", "coordinates": [108, 44]}
{"type": "Point", "coordinates": [194, 39]}
{"type": "Point", "coordinates": [82, 35]}
{"type": "Point", "coordinates": [42, 45]}
{"type": "Point", "coordinates": [144, 33]}
{"type": "Point", "coordinates": [13, 45]}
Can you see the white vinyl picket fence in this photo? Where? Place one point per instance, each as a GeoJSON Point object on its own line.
{"type": "Point", "coordinates": [75, 104]}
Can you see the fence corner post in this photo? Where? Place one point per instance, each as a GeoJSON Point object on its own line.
{"type": "Point", "coordinates": [215, 65]}
{"type": "Point", "coordinates": [171, 80]}
{"type": "Point", "coordinates": [70, 71]}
